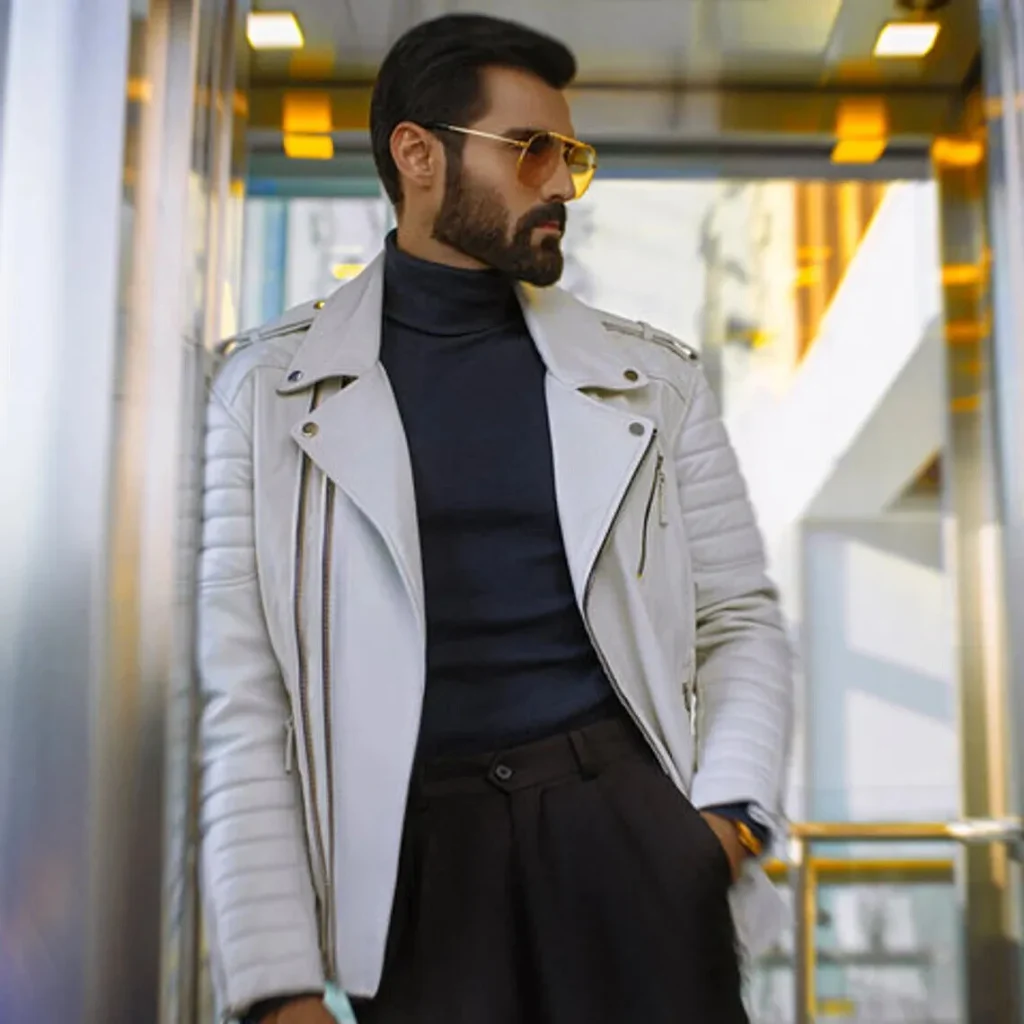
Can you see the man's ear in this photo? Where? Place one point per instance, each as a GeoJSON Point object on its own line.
{"type": "Point", "coordinates": [418, 155]}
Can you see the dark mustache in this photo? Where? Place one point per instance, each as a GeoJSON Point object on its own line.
{"type": "Point", "coordinates": [550, 213]}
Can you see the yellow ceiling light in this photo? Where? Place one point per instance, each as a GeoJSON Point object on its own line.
{"type": "Point", "coordinates": [858, 151]}
{"type": "Point", "coordinates": [962, 274]}
{"type": "Point", "coordinates": [308, 147]}
{"type": "Point", "coordinates": [306, 120]}
{"type": "Point", "coordinates": [307, 113]}
{"type": "Point", "coordinates": [953, 152]}
{"type": "Point", "coordinates": [907, 39]}
{"type": "Point", "coordinates": [274, 30]}
{"type": "Point", "coordinates": [862, 131]}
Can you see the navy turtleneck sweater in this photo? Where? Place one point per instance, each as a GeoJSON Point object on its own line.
{"type": "Point", "coordinates": [508, 656]}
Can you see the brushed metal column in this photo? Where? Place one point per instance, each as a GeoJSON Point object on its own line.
{"type": "Point", "coordinates": [98, 422]}
{"type": "Point", "coordinates": [149, 627]}
{"type": "Point", "coordinates": [1002, 24]}
{"type": "Point", "coordinates": [176, 288]}
{"type": "Point", "coordinates": [61, 216]}
{"type": "Point", "coordinates": [987, 878]}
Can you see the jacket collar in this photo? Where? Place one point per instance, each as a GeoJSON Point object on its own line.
{"type": "Point", "coordinates": [344, 337]}
{"type": "Point", "coordinates": [343, 340]}
{"type": "Point", "coordinates": [574, 343]}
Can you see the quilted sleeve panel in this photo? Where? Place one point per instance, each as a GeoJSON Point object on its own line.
{"type": "Point", "coordinates": [258, 894]}
{"type": "Point", "coordinates": [744, 664]}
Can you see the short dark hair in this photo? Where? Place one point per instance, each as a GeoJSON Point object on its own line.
{"type": "Point", "coordinates": [432, 74]}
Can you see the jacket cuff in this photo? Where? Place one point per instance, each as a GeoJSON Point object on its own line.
{"type": "Point", "coordinates": [747, 813]}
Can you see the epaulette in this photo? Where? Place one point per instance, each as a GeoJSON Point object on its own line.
{"type": "Point", "coordinates": [644, 331]}
{"type": "Point", "coordinates": [298, 319]}
{"type": "Point", "coordinates": [229, 346]}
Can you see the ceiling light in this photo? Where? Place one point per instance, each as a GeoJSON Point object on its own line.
{"type": "Point", "coordinates": [274, 30]}
{"type": "Point", "coordinates": [907, 38]}
{"type": "Point", "coordinates": [952, 152]}
{"type": "Point", "coordinates": [862, 131]}
{"type": "Point", "coordinates": [307, 113]}
{"type": "Point", "coordinates": [962, 274]}
{"type": "Point", "coordinates": [859, 151]}
{"type": "Point", "coordinates": [863, 118]}
{"type": "Point", "coordinates": [308, 147]}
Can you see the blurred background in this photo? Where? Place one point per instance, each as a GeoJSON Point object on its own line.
{"type": "Point", "coordinates": [826, 198]}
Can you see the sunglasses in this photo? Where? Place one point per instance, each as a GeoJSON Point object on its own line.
{"type": "Point", "coordinates": [539, 156]}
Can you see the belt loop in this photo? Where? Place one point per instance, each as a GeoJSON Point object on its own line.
{"type": "Point", "coordinates": [589, 768]}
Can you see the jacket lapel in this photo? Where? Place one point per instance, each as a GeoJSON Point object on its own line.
{"type": "Point", "coordinates": [596, 457]}
{"type": "Point", "coordinates": [597, 445]}
{"type": "Point", "coordinates": [355, 436]}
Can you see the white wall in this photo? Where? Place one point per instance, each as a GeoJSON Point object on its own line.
{"type": "Point", "coordinates": [326, 233]}
{"type": "Point", "coordinates": [882, 745]}
{"type": "Point", "coordinates": [879, 657]}
{"type": "Point", "coordinates": [633, 248]}
{"type": "Point", "coordinates": [792, 445]}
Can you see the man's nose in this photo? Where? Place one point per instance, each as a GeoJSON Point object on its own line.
{"type": "Point", "coordinates": [560, 187]}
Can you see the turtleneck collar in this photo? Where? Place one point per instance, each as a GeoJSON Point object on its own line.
{"type": "Point", "coordinates": [432, 298]}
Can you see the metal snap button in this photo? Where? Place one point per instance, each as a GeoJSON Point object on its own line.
{"type": "Point", "coordinates": [310, 430]}
{"type": "Point", "coordinates": [637, 429]}
{"type": "Point", "coordinates": [319, 304]}
{"type": "Point", "coordinates": [503, 773]}
{"type": "Point", "coordinates": [295, 376]}
{"type": "Point", "coordinates": [632, 376]}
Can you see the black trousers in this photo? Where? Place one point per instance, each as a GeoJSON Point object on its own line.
{"type": "Point", "coordinates": [562, 882]}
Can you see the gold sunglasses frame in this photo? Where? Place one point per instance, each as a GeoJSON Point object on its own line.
{"type": "Point", "coordinates": [524, 146]}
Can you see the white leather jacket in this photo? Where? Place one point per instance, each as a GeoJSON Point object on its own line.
{"type": "Point", "coordinates": [311, 618]}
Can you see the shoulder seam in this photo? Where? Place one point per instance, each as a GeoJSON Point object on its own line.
{"type": "Point", "coordinates": [239, 341]}
{"type": "Point", "coordinates": [645, 332]}
{"type": "Point", "coordinates": [228, 405]}
{"type": "Point", "coordinates": [231, 376]}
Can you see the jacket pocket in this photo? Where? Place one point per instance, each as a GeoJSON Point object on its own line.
{"type": "Point", "coordinates": [655, 508]}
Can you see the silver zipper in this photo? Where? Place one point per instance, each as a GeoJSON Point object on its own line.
{"type": "Point", "coordinates": [665, 765]}
{"type": "Point", "coordinates": [286, 329]}
{"type": "Point", "coordinates": [325, 626]}
{"type": "Point", "coordinates": [314, 810]}
{"type": "Point", "coordinates": [691, 697]}
{"type": "Point", "coordinates": [691, 700]}
{"type": "Point", "coordinates": [289, 745]}
{"type": "Point", "coordinates": [662, 508]}
{"type": "Point", "coordinates": [656, 495]}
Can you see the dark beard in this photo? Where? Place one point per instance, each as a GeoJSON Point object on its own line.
{"type": "Point", "coordinates": [473, 220]}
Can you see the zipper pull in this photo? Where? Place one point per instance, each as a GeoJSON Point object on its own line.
{"type": "Point", "coordinates": [690, 699]}
{"type": "Point", "coordinates": [289, 745]}
{"type": "Point", "coordinates": [662, 510]}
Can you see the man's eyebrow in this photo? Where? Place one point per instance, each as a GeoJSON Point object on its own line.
{"type": "Point", "coordinates": [522, 133]}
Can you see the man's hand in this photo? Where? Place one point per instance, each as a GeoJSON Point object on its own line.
{"type": "Point", "coordinates": [730, 840]}
{"type": "Point", "coordinates": [307, 1010]}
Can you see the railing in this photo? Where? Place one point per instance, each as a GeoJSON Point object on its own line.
{"type": "Point", "coordinates": [804, 871]}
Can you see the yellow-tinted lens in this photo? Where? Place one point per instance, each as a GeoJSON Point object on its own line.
{"type": "Point", "coordinates": [582, 161]}
{"type": "Point", "coordinates": [540, 159]}
{"type": "Point", "coordinates": [541, 156]}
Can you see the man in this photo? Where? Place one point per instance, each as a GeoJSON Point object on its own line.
{"type": "Point", "coordinates": [474, 556]}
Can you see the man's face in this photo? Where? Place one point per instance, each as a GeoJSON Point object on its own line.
{"type": "Point", "coordinates": [487, 212]}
